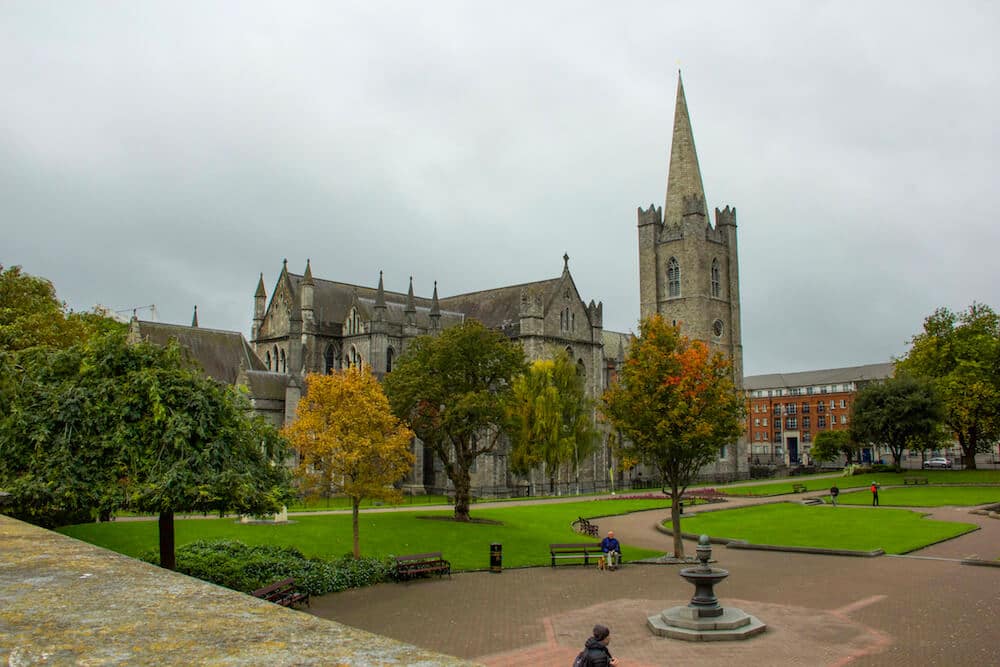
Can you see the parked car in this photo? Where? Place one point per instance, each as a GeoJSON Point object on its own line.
{"type": "Point", "coordinates": [937, 462]}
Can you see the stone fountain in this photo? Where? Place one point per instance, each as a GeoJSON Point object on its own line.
{"type": "Point", "coordinates": [704, 619]}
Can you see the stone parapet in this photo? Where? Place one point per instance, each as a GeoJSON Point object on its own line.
{"type": "Point", "coordinates": [66, 602]}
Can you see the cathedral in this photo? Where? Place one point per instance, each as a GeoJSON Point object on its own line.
{"type": "Point", "coordinates": [688, 272]}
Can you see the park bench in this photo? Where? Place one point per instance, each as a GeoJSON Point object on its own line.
{"type": "Point", "coordinates": [799, 488]}
{"type": "Point", "coordinates": [282, 592]}
{"type": "Point", "coordinates": [410, 565]}
{"type": "Point", "coordinates": [584, 550]}
{"type": "Point", "coordinates": [914, 480]}
{"type": "Point", "coordinates": [581, 525]}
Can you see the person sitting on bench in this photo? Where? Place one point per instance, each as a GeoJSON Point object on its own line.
{"type": "Point", "coordinates": [612, 551]}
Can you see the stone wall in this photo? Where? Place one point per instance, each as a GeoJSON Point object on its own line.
{"type": "Point", "coordinates": [66, 602]}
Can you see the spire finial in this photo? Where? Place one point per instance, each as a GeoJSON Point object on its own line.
{"type": "Point", "coordinates": [380, 293]}
{"type": "Point", "coordinates": [435, 307]}
{"type": "Point", "coordinates": [411, 306]}
{"type": "Point", "coordinates": [565, 261]}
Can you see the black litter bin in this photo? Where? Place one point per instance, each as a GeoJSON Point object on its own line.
{"type": "Point", "coordinates": [496, 557]}
{"type": "Point", "coordinates": [680, 506]}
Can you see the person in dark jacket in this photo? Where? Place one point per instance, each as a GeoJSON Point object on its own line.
{"type": "Point", "coordinates": [612, 551]}
{"type": "Point", "coordinates": [597, 648]}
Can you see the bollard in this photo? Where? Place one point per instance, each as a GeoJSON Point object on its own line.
{"type": "Point", "coordinates": [496, 557]}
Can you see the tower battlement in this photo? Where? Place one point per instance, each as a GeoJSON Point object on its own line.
{"type": "Point", "coordinates": [651, 216]}
{"type": "Point", "coordinates": [726, 216]}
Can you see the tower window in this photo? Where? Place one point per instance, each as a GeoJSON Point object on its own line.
{"type": "Point", "coordinates": [673, 277]}
{"type": "Point", "coordinates": [389, 354]}
{"type": "Point", "coordinates": [716, 283]}
{"type": "Point", "coordinates": [329, 359]}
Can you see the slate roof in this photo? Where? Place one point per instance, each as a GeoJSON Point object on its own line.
{"type": "Point", "coordinates": [811, 378]}
{"type": "Point", "coordinates": [267, 385]}
{"type": "Point", "coordinates": [218, 352]}
{"type": "Point", "coordinates": [499, 307]}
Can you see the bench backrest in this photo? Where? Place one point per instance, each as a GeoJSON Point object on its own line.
{"type": "Point", "coordinates": [436, 555]}
{"type": "Point", "coordinates": [588, 545]}
{"type": "Point", "coordinates": [278, 585]}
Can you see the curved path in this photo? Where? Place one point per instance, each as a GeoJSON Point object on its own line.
{"type": "Point", "coordinates": [821, 610]}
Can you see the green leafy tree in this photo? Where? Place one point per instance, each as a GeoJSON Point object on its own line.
{"type": "Point", "coordinates": [829, 445]}
{"type": "Point", "coordinates": [348, 439]}
{"type": "Point", "coordinates": [31, 315]}
{"type": "Point", "coordinates": [677, 405]}
{"type": "Point", "coordinates": [959, 353]}
{"type": "Point", "coordinates": [109, 426]}
{"type": "Point", "coordinates": [552, 420]}
{"type": "Point", "coordinates": [899, 413]}
{"type": "Point", "coordinates": [454, 391]}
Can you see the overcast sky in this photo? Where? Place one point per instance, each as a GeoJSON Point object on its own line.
{"type": "Point", "coordinates": [167, 153]}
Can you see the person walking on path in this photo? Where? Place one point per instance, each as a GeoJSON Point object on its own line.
{"type": "Point", "coordinates": [595, 652]}
{"type": "Point", "coordinates": [612, 551]}
{"type": "Point", "coordinates": [834, 492]}
{"type": "Point", "coordinates": [874, 494]}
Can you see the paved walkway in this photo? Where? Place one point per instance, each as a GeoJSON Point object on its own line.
{"type": "Point", "coordinates": [821, 610]}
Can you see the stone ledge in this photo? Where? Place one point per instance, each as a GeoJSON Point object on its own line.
{"type": "Point", "coordinates": [739, 544]}
{"type": "Point", "coordinates": [66, 602]}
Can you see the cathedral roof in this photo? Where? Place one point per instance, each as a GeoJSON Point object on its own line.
{"type": "Point", "coordinates": [219, 353]}
{"type": "Point", "coordinates": [500, 307]}
{"type": "Point", "coordinates": [267, 385]}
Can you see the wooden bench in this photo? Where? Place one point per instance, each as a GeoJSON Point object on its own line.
{"type": "Point", "coordinates": [914, 480]}
{"type": "Point", "coordinates": [585, 550]}
{"type": "Point", "coordinates": [411, 565]}
{"type": "Point", "coordinates": [581, 525]}
{"type": "Point", "coordinates": [799, 488]}
{"type": "Point", "coordinates": [282, 592]}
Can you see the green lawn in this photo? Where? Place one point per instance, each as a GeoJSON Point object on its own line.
{"type": "Point", "coordinates": [525, 534]}
{"type": "Point", "coordinates": [856, 481]}
{"type": "Point", "coordinates": [924, 496]}
{"type": "Point", "coordinates": [790, 524]}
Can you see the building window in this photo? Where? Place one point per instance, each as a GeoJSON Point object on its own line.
{"type": "Point", "coordinates": [820, 407]}
{"type": "Point", "coordinates": [389, 354]}
{"type": "Point", "coordinates": [832, 404]}
{"type": "Point", "coordinates": [843, 419]}
{"type": "Point", "coordinates": [329, 359]}
{"type": "Point", "coordinates": [673, 277]}
{"type": "Point", "coordinates": [777, 408]}
{"type": "Point", "coordinates": [716, 283]}
{"type": "Point", "coordinates": [805, 422]}
{"type": "Point", "coordinates": [268, 360]}
{"type": "Point", "coordinates": [821, 421]}
{"type": "Point", "coordinates": [284, 365]}
{"type": "Point", "coordinates": [807, 437]}
{"type": "Point", "coordinates": [765, 421]}
{"type": "Point", "coordinates": [805, 408]}
{"type": "Point", "coordinates": [756, 421]}
{"type": "Point", "coordinates": [724, 452]}
{"type": "Point", "coordinates": [777, 437]}
{"type": "Point", "coordinates": [791, 423]}
{"type": "Point", "coordinates": [789, 408]}
{"type": "Point", "coordinates": [843, 403]}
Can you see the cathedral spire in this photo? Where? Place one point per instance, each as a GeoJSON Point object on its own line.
{"type": "Point", "coordinates": [411, 306]}
{"type": "Point", "coordinates": [380, 293]}
{"type": "Point", "coordinates": [435, 306]}
{"type": "Point", "coordinates": [308, 277]}
{"type": "Point", "coordinates": [194, 319]}
{"type": "Point", "coordinates": [684, 177]}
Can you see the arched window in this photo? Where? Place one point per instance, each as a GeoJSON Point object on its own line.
{"type": "Point", "coordinates": [716, 283]}
{"type": "Point", "coordinates": [673, 277]}
{"type": "Point", "coordinates": [277, 368]}
{"type": "Point", "coordinates": [352, 358]}
{"type": "Point", "coordinates": [353, 324]}
{"type": "Point", "coordinates": [581, 370]}
{"type": "Point", "coordinates": [389, 354]}
{"type": "Point", "coordinates": [329, 359]}
{"type": "Point", "coordinates": [572, 320]}
{"type": "Point", "coordinates": [284, 365]}
{"type": "Point", "coordinates": [268, 360]}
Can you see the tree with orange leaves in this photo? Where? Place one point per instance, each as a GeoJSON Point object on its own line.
{"type": "Point", "coordinates": [676, 404]}
{"type": "Point", "coordinates": [349, 441]}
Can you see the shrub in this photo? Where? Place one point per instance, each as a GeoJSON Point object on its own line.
{"type": "Point", "coordinates": [245, 568]}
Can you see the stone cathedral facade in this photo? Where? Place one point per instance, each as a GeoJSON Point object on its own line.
{"type": "Point", "coordinates": [688, 272]}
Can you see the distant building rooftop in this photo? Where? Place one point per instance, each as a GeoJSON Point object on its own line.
{"type": "Point", "coordinates": [864, 373]}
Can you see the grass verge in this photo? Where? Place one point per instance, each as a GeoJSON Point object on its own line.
{"type": "Point", "coordinates": [789, 524]}
{"type": "Point", "coordinates": [925, 496]}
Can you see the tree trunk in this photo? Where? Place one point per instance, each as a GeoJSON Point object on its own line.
{"type": "Point", "coordinates": [675, 521]}
{"type": "Point", "coordinates": [166, 525]}
{"type": "Point", "coordinates": [355, 504]}
{"type": "Point", "coordinates": [968, 446]}
{"type": "Point", "coordinates": [461, 483]}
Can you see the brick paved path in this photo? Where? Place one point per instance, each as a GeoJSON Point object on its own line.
{"type": "Point", "coordinates": [821, 610]}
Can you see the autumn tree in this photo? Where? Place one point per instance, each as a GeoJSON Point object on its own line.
{"type": "Point", "coordinates": [552, 420]}
{"type": "Point", "coordinates": [349, 441]}
{"type": "Point", "coordinates": [959, 353]}
{"type": "Point", "coordinates": [107, 426]}
{"type": "Point", "coordinates": [828, 445]}
{"type": "Point", "coordinates": [896, 414]}
{"type": "Point", "coordinates": [31, 315]}
{"type": "Point", "coordinates": [454, 390]}
{"type": "Point", "coordinates": [676, 404]}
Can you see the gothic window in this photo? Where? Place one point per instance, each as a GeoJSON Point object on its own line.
{"type": "Point", "coordinates": [389, 354]}
{"type": "Point", "coordinates": [572, 320]}
{"type": "Point", "coordinates": [268, 360]}
{"type": "Point", "coordinates": [581, 370]}
{"type": "Point", "coordinates": [353, 324]}
{"type": "Point", "coordinates": [277, 368]}
{"type": "Point", "coordinates": [329, 359]}
{"type": "Point", "coordinates": [284, 365]}
{"type": "Point", "coordinates": [353, 359]}
{"type": "Point", "coordinates": [716, 283]}
{"type": "Point", "coordinates": [673, 277]}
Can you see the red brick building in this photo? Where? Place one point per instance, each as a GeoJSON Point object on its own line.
{"type": "Point", "coordinates": [785, 411]}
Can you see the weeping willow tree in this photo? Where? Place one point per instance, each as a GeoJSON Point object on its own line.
{"type": "Point", "coordinates": [552, 420]}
